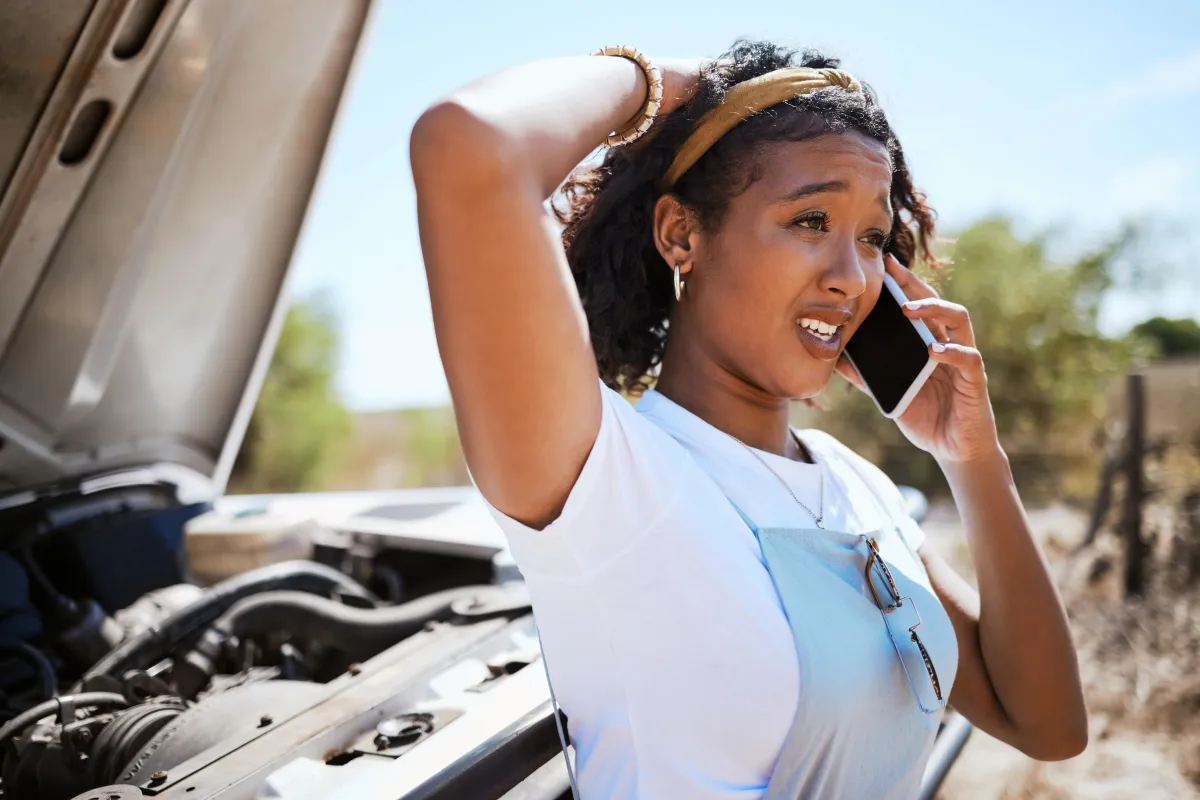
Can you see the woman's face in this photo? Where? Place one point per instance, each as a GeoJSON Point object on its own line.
{"type": "Point", "coordinates": [796, 264]}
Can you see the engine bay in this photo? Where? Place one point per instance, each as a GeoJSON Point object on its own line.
{"type": "Point", "coordinates": [121, 676]}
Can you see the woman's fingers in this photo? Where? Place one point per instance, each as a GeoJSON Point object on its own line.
{"type": "Point", "coordinates": [967, 360]}
{"type": "Point", "coordinates": [950, 322]}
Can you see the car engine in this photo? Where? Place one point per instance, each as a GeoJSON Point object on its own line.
{"type": "Point", "coordinates": [288, 675]}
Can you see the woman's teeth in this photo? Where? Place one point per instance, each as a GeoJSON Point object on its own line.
{"type": "Point", "coordinates": [822, 330]}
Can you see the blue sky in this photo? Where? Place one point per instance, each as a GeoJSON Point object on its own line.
{"type": "Point", "coordinates": [1072, 116]}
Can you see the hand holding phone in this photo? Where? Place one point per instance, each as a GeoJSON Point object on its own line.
{"type": "Point", "coordinates": [894, 354]}
{"type": "Point", "coordinates": [891, 352]}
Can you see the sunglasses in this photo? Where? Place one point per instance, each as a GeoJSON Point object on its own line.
{"type": "Point", "coordinates": [898, 612]}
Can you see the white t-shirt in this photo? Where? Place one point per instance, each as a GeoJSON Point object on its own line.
{"type": "Point", "coordinates": [664, 636]}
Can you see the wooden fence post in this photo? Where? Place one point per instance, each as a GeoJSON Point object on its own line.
{"type": "Point", "coordinates": [1131, 518]}
{"type": "Point", "coordinates": [1114, 462]}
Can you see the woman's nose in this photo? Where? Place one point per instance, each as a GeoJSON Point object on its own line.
{"type": "Point", "coordinates": [845, 275]}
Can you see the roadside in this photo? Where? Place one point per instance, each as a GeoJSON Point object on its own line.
{"type": "Point", "coordinates": [1138, 663]}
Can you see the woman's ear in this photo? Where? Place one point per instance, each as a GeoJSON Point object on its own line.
{"type": "Point", "coordinates": [675, 232]}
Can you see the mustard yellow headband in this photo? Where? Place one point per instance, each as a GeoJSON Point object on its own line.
{"type": "Point", "coordinates": [746, 99]}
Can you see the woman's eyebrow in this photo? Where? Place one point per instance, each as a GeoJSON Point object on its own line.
{"type": "Point", "coordinates": [808, 190]}
{"type": "Point", "coordinates": [885, 203]}
{"type": "Point", "coordinates": [811, 189]}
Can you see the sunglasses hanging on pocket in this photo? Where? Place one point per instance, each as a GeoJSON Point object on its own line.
{"type": "Point", "coordinates": [903, 622]}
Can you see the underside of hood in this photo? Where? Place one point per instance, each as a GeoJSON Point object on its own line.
{"type": "Point", "coordinates": [156, 161]}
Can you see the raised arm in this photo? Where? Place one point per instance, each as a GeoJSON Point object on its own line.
{"type": "Point", "coordinates": [510, 327]}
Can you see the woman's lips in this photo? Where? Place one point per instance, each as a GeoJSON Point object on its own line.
{"type": "Point", "coordinates": [819, 348]}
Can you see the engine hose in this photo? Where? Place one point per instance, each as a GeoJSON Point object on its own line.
{"type": "Point", "coordinates": [358, 633]}
{"type": "Point", "coordinates": [17, 725]}
{"type": "Point", "coordinates": [127, 735]}
{"type": "Point", "coordinates": [149, 647]}
{"type": "Point", "coordinates": [392, 583]}
{"type": "Point", "coordinates": [63, 610]}
{"type": "Point", "coordinates": [36, 659]}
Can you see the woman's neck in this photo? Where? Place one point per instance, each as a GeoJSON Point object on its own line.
{"type": "Point", "coordinates": [728, 403]}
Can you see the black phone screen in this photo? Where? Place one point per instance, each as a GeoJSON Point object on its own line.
{"type": "Point", "coordinates": [888, 352]}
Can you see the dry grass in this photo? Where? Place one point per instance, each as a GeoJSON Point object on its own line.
{"type": "Point", "coordinates": [1140, 664]}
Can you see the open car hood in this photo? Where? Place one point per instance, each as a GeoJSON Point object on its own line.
{"type": "Point", "coordinates": [156, 161]}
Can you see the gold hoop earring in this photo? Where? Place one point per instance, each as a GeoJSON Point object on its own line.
{"type": "Point", "coordinates": [679, 284]}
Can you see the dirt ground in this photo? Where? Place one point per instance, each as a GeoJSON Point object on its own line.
{"type": "Point", "coordinates": [1140, 665]}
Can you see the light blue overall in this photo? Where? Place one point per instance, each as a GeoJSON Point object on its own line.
{"type": "Point", "coordinates": [855, 695]}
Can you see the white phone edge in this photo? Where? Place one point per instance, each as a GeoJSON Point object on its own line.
{"type": "Point", "coordinates": [923, 331]}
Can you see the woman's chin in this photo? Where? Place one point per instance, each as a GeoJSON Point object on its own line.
{"type": "Point", "coordinates": [807, 389]}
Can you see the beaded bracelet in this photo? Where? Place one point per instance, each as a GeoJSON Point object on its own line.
{"type": "Point", "coordinates": [654, 93]}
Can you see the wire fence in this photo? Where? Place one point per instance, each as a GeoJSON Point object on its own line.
{"type": "Point", "coordinates": [1152, 460]}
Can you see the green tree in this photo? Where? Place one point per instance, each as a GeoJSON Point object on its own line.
{"type": "Point", "coordinates": [1047, 362]}
{"type": "Point", "coordinates": [298, 432]}
{"type": "Point", "coordinates": [1171, 338]}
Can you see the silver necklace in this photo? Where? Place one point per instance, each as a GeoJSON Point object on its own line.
{"type": "Point", "coordinates": [820, 518]}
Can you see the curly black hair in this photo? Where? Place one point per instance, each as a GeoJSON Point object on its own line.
{"type": "Point", "coordinates": [607, 210]}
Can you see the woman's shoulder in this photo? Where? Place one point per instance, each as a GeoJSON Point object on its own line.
{"type": "Point", "coordinates": [631, 448]}
{"type": "Point", "coordinates": [843, 459]}
{"type": "Point", "coordinates": [839, 457]}
{"type": "Point", "coordinates": [624, 416]}
{"type": "Point", "coordinates": [828, 445]}
{"type": "Point", "coordinates": [633, 476]}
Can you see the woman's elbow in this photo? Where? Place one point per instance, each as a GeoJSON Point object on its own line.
{"type": "Point", "coordinates": [1066, 741]}
{"type": "Point", "coordinates": [453, 148]}
{"type": "Point", "coordinates": [439, 129]}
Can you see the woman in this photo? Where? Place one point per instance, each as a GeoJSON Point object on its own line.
{"type": "Point", "coordinates": [709, 583]}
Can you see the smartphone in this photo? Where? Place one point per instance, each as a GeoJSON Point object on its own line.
{"type": "Point", "coordinates": [891, 352]}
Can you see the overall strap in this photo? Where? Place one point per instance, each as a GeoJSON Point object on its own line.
{"type": "Point", "coordinates": [745, 517]}
{"type": "Point", "coordinates": [880, 501]}
{"type": "Point", "coordinates": [881, 505]}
